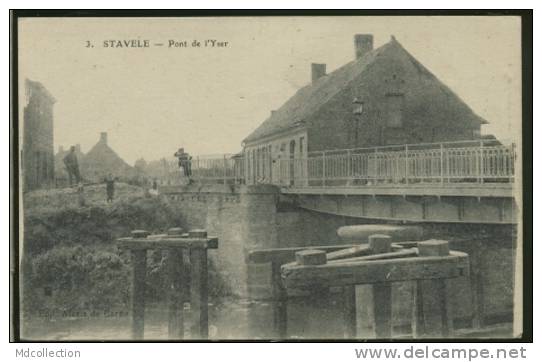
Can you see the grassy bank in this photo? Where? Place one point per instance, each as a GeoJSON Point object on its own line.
{"type": "Point", "coordinates": [71, 264]}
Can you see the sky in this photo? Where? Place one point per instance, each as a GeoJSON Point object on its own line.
{"type": "Point", "coordinates": [152, 101]}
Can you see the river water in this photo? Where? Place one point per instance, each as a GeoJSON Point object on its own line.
{"type": "Point", "coordinates": [232, 319]}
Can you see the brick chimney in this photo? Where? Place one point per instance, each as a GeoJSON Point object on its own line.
{"type": "Point", "coordinates": [317, 71]}
{"type": "Point", "coordinates": [103, 137]}
{"type": "Point", "coordinates": [78, 148]}
{"type": "Point", "coordinates": [363, 44]}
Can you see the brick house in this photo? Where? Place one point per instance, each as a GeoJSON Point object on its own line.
{"type": "Point", "coordinates": [383, 97]}
{"type": "Point", "coordinates": [101, 160]}
{"type": "Point", "coordinates": [38, 166]}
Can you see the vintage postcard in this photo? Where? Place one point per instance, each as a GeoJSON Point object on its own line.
{"type": "Point", "coordinates": [274, 178]}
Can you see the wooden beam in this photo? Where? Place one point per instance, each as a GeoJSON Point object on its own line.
{"type": "Point", "coordinates": [286, 255]}
{"type": "Point", "coordinates": [391, 255]}
{"type": "Point", "coordinates": [358, 250]}
{"type": "Point", "coordinates": [167, 243]}
{"type": "Point", "coordinates": [363, 272]}
{"type": "Point", "coordinates": [310, 257]}
{"type": "Point", "coordinates": [139, 271]}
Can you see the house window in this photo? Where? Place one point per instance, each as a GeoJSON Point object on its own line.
{"type": "Point", "coordinates": [476, 133]}
{"type": "Point", "coordinates": [394, 109]}
{"type": "Point", "coordinates": [301, 145]}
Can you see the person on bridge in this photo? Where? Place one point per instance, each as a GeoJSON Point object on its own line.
{"type": "Point", "coordinates": [72, 166]}
{"type": "Point", "coordinates": [185, 163]}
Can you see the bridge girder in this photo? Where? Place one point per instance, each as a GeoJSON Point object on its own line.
{"type": "Point", "coordinates": [434, 209]}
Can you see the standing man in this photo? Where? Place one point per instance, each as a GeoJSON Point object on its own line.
{"type": "Point", "coordinates": [185, 163]}
{"type": "Point", "coordinates": [110, 187]}
{"type": "Point", "coordinates": [181, 156]}
{"type": "Point", "coordinates": [72, 166]}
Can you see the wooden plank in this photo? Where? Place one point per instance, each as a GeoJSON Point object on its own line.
{"type": "Point", "coordinates": [349, 311]}
{"type": "Point", "coordinates": [175, 231]}
{"type": "Point", "coordinates": [167, 243]}
{"type": "Point", "coordinates": [197, 233]}
{"type": "Point", "coordinates": [286, 255]}
{"type": "Point", "coordinates": [358, 250]}
{"type": "Point", "coordinates": [368, 272]}
{"type": "Point", "coordinates": [382, 310]}
{"type": "Point", "coordinates": [392, 255]}
{"type": "Point", "coordinates": [198, 289]}
{"type": "Point", "coordinates": [310, 257]}
{"type": "Point", "coordinates": [139, 270]}
{"type": "Point", "coordinates": [175, 299]}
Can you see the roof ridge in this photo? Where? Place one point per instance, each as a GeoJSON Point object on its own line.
{"type": "Point", "coordinates": [313, 87]}
{"type": "Point", "coordinates": [441, 84]}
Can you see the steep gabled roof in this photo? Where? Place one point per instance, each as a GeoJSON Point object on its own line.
{"type": "Point", "coordinates": [102, 154]}
{"type": "Point", "coordinates": [309, 99]}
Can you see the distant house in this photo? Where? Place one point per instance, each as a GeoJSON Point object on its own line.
{"type": "Point", "coordinates": [383, 97]}
{"type": "Point", "coordinates": [101, 160]}
{"type": "Point", "coordinates": [38, 150]}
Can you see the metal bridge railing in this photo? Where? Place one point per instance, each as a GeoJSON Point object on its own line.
{"type": "Point", "coordinates": [222, 169]}
{"type": "Point", "coordinates": [480, 162]}
{"type": "Point", "coordinates": [452, 162]}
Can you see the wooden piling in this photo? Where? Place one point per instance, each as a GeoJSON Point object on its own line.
{"type": "Point", "coordinates": [435, 309]}
{"type": "Point", "coordinates": [382, 310]}
{"type": "Point", "coordinates": [139, 263]}
{"type": "Point", "coordinates": [280, 299]}
{"type": "Point", "coordinates": [349, 311]}
{"type": "Point", "coordinates": [432, 299]}
{"type": "Point", "coordinates": [175, 294]}
{"type": "Point", "coordinates": [198, 291]}
{"type": "Point", "coordinates": [417, 323]}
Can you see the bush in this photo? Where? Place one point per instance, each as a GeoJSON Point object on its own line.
{"type": "Point", "coordinates": [76, 279]}
{"type": "Point", "coordinates": [88, 279]}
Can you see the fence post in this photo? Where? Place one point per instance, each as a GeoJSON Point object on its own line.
{"type": "Point", "coordinates": [406, 164]}
{"type": "Point", "coordinates": [512, 165]}
{"type": "Point", "coordinates": [441, 163]}
{"type": "Point", "coordinates": [225, 169]}
{"type": "Point", "coordinates": [481, 162]}
{"type": "Point", "coordinates": [323, 168]}
{"type": "Point", "coordinates": [376, 166]}
{"type": "Point", "coordinates": [197, 168]}
{"type": "Point", "coordinates": [349, 173]}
